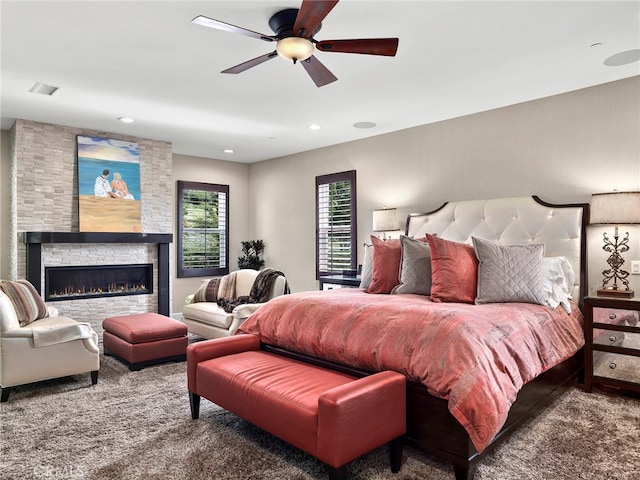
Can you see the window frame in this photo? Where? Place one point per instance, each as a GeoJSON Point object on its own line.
{"type": "Point", "coordinates": [183, 272]}
{"type": "Point", "coordinates": [349, 176]}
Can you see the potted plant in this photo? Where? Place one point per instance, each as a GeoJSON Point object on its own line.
{"type": "Point", "coordinates": [252, 255]}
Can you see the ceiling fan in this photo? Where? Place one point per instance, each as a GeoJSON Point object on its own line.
{"type": "Point", "coordinates": [294, 36]}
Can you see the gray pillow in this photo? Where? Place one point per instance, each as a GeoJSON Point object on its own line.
{"type": "Point", "coordinates": [415, 267]}
{"type": "Point", "coordinates": [367, 266]}
{"type": "Point", "coordinates": [509, 273]}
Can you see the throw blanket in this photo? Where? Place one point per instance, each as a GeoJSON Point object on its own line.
{"type": "Point", "coordinates": [54, 334]}
{"type": "Point", "coordinates": [259, 293]}
{"type": "Point", "coordinates": [477, 357]}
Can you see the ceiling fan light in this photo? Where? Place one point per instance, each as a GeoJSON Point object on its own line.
{"type": "Point", "coordinates": [294, 48]}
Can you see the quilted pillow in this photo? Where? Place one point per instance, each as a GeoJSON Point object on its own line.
{"type": "Point", "coordinates": [386, 265]}
{"type": "Point", "coordinates": [454, 271]}
{"type": "Point", "coordinates": [26, 301]}
{"type": "Point", "coordinates": [509, 273]}
{"type": "Point", "coordinates": [415, 266]}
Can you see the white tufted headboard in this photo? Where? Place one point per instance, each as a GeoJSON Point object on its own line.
{"type": "Point", "coordinates": [520, 220]}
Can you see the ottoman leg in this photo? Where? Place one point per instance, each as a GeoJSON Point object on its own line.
{"type": "Point", "coordinates": [194, 401]}
{"type": "Point", "coordinates": [337, 473]}
{"type": "Point", "coordinates": [395, 454]}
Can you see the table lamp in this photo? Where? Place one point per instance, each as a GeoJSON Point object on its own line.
{"type": "Point", "coordinates": [615, 208]}
{"type": "Point", "coordinates": [384, 220]}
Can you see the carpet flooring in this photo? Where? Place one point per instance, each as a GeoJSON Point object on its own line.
{"type": "Point", "coordinates": [137, 425]}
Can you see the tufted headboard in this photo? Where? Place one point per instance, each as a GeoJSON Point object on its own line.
{"type": "Point", "coordinates": [519, 220]}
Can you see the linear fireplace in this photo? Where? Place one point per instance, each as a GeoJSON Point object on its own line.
{"type": "Point", "coordinates": [35, 240]}
{"type": "Point", "coordinates": [95, 281]}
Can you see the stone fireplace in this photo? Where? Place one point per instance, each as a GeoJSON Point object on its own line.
{"type": "Point", "coordinates": [44, 223]}
{"type": "Point", "coordinates": [77, 282]}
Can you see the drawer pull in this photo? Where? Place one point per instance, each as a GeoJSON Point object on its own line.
{"type": "Point", "coordinates": [613, 338]}
{"type": "Point", "coordinates": [612, 365]}
{"type": "Point", "coordinates": [612, 316]}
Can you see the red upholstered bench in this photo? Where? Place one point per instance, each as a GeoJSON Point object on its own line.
{"type": "Point", "coordinates": [144, 339]}
{"type": "Point", "coordinates": [331, 415]}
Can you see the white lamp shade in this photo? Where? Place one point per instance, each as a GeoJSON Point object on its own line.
{"type": "Point", "coordinates": [294, 48]}
{"type": "Point", "coordinates": [615, 208]}
{"type": "Point", "coordinates": [384, 220]}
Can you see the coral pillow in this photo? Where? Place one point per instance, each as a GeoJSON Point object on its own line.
{"type": "Point", "coordinates": [454, 271]}
{"type": "Point", "coordinates": [386, 265]}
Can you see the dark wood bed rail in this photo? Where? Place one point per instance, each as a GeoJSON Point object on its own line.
{"type": "Point", "coordinates": [432, 429]}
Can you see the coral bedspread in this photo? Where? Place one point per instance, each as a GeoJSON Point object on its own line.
{"type": "Point", "coordinates": [475, 356]}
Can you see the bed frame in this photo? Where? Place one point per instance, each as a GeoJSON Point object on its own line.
{"type": "Point", "coordinates": [562, 228]}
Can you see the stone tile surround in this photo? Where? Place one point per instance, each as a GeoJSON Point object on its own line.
{"type": "Point", "coordinates": [44, 197]}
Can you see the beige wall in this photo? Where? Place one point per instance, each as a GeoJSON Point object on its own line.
{"type": "Point", "coordinates": [236, 175]}
{"type": "Point", "coordinates": [562, 148]}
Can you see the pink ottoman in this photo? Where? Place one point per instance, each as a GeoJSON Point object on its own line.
{"type": "Point", "coordinates": [144, 339]}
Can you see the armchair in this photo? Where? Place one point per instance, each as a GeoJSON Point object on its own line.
{"type": "Point", "coordinates": [51, 347]}
{"type": "Point", "coordinates": [208, 320]}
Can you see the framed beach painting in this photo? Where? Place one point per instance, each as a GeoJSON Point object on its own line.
{"type": "Point", "coordinates": [109, 197]}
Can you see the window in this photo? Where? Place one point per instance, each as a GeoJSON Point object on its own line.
{"type": "Point", "coordinates": [203, 229]}
{"type": "Point", "coordinates": [336, 223]}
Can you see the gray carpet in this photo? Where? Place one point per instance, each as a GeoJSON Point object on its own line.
{"type": "Point", "coordinates": [138, 425]}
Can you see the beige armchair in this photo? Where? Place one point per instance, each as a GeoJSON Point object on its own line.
{"type": "Point", "coordinates": [50, 347]}
{"type": "Point", "coordinates": [208, 320]}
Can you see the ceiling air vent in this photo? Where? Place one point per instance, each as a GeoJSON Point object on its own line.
{"type": "Point", "coordinates": [43, 89]}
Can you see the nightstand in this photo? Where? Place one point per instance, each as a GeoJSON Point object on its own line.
{"type": "Point", "coordinates": [612, 344]}
{"type": "Point", "coordinates": [338, 281]}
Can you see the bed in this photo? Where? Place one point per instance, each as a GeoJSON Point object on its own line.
{"type": "Point", "coordinates": [479, 362]}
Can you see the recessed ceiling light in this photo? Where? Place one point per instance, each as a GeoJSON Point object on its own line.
{"type": "Point", "coordinates": [314, 126]}
{"type": "Point", "coordinates": [43, 89]}
{"type": "Point", "coordinates": [126, 119]}
{"type": "Point", "coordinates": [364, 125]}
{"type": "Point", "coordinates": [228, 150]}
{"type": "Point", "coordinates": [623, 58]}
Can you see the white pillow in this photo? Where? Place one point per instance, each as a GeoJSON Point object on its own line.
{"type": "Point", "coordinates": [367, 266]}
{"type": "Point", "coordinates": [558, 278]}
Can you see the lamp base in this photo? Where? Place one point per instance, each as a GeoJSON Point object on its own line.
{"type": "Point", "coordinates": [611, 292]}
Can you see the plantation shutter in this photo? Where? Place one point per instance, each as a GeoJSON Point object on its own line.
{"type": "Point", "coordinates": [336, 223]}
{"type": "Point", "coordinates": [203, 229]}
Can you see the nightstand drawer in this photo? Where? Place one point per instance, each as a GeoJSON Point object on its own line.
{"type": "Point", "coordinates": [615, 316]}
{"type": "Point", "coordinates": [616, 366]}
{"type": "Point", "coordinates": [609, 337]}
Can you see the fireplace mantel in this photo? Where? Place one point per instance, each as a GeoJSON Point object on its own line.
{"type": "Point", "coordinates": [34, 241]}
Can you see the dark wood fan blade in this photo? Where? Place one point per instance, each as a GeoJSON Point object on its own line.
{"type": "Point", "coordinates": [310, 16]}
{"type": "Point", "coordinates": [251, 63]}
{"type": "Point", "coordinates": [227, 27]}
{"type": "Point", "coordinates": [318, 72]}
{"type": "Point", "coordinates": [367, 46]}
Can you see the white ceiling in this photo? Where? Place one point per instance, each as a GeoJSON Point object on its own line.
{"type": "Point", "coordinates": [146, 60]}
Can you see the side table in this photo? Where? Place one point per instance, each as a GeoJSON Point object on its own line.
{"type": "Point", "coordinates": [612, 344]}
{"type": "Point", "coordinates": [338, 281]}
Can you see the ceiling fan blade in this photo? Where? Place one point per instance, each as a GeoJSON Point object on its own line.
{"type": "Point", "coordinates": [318, 72]}
{"type": "Point", "coordinates": [227, 27]}
{"type": "Point", "coordinates": [310, 16]}
{"type": "Point", "coordinates": [367, 46]}
{"type": "Point", "coordinates": [251, 63]}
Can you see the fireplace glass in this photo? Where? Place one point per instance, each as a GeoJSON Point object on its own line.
{"type": "Point", "coordinates": [76, 282]}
